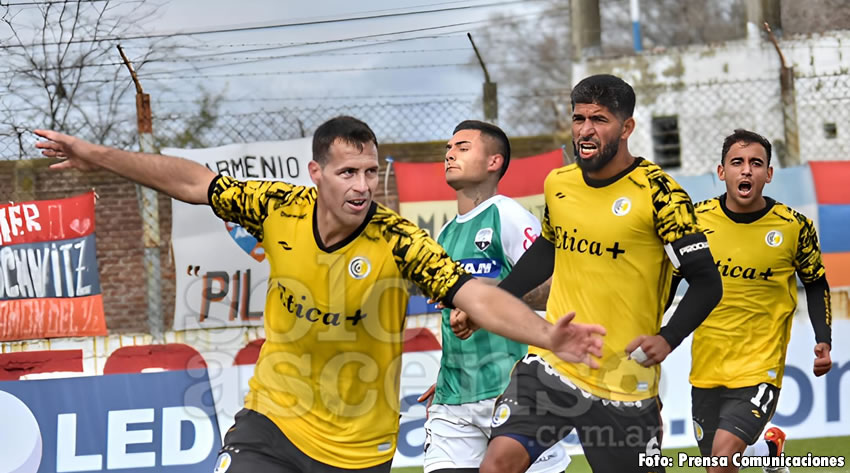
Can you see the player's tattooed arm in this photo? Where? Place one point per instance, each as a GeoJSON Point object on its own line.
{"type": "Point", "coordinates": [462, 325]}
{"type": "Point", "coordinates": [536, 299]}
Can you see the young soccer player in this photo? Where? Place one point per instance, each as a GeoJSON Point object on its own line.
{"type": "Point", "coordinates": [488, 236]}
{"type": "Point", "coordinates": [738, 353]}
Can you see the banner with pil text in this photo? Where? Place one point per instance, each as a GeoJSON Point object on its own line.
{"type": "Point", "coordinates": [49, 281]}
{"type": "Point", "coordinates": [221, 270]}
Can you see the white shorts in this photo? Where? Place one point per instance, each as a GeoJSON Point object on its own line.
{"type": "Point", "coordinates": [456, 436]}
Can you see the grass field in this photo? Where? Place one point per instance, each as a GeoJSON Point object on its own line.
{"type": "Point", "coordinates": [828, 446]}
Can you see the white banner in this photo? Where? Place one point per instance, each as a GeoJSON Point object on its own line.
{"type": "Point", "coordinates": [221, 271]}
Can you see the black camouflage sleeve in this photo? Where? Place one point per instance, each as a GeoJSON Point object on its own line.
{"type": "Point", "coordinates": [247, 202]}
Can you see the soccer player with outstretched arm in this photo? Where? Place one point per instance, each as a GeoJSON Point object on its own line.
{"type": "Point", "coordinates": [325, 392]}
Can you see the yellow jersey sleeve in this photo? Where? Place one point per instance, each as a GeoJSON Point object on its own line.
{"type": "Point", "coordinates": [247, 202]}
{"type": "Point", "coordinates": [422, 261]}
{"type": "Point", "coordinates": [546, 230]}
{"type": "Point", "coordinates": [808, 261]}
{"type": "Point", "coordinates": [673, 209]}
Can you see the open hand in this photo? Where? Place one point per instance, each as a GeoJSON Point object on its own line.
{"type": "Point", "coordinates": [577, 343]}
{"type": "Point", "coordinates": [74, 152]}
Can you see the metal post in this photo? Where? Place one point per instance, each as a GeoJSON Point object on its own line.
{"type": "Point", "coordinates": [586, 26]}
{"type": "Point", "coordinates": [149, 208]}
{"type": "Point", "coordinates": [791, 156]}
{"type": "Point", "coordinates": [636, 38]}
{"type": "Point", "coordinates": [491, 94]}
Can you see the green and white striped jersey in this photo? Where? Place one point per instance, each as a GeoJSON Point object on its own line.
{"type": "Point", "coordinates": [487, 241]}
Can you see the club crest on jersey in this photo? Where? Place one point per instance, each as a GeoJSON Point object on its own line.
{"type": "Point", "coordinates": [501, 415]}
{"type": "Point", "coordinates": [621, 206]}
{"type": "Point", "coordinates": [483, 238]}
{"type": "Point", "coordinates": [773, 238]}
{"type": "Point", "coordinates": [359, 267]}
{"type": "Point", "coordinates": [223, 463]}
{"type": "Point", "coordinates": [698, 431]}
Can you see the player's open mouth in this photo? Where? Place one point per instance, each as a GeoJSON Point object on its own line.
{"type": "Point", "coordinates": [357, 204]}
{"type": "Point", "coordinates": [744, 188]}
{"type": "Point", "coordinates": [587, 150]}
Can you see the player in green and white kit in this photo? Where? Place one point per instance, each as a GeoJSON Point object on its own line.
{"type": "Point", "coordinates": [487, 237]}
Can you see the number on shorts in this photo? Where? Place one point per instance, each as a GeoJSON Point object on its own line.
{"type": "Point", "coordinates": [652, 447]}
{"type": "Point", "coordinates": [759, 395]}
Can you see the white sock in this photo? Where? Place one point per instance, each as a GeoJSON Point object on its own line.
{"type": "Point", "coordinates": [758, 449]}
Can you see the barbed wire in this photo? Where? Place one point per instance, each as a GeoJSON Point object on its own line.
{"type": "Point", "coordinates": [698, 116]}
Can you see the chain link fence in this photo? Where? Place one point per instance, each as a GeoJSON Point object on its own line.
{"type": "Point", "coordinates": [680, 127]}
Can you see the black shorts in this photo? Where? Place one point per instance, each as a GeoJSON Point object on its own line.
{"type": "Point", "coordinates": [540, 407]}
{"type": "Point", "coordinates": [742, 411]}
{"type": "Point", "coordinates": [256, 445]}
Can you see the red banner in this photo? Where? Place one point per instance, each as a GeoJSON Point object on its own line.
{"type": "Point", "coordinates": [49, 282]}
{"type": "Point", "coordinates": [426, 199]}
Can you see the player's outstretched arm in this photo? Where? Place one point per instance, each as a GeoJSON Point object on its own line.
{"type": "Point", "coordinates": [179, 178]}
{"type": "Point", "coordinates": [497, 311]}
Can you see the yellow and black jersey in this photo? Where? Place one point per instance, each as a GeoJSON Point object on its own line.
{"type": "Point", "coordinates": [744, 339]}
{"type": "Point", "coordinates": [328, 373]}
{"type": "Point", "coordinates": [611, 267]}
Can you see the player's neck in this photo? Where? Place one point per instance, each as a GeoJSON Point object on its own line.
{"type": "Point", "coordinates": [330, 230]}
{"type": "Point", "coordinates": [622, 160]}
{"type": "Point", "coordinates": [756, 204]}
{"type": "Point", "coordinates": [470, 197]}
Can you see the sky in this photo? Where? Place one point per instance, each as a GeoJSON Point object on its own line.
{"type": "Point", "coordinates": [357, 58]}
{"type": "Point", "coordinates": [331, 56]}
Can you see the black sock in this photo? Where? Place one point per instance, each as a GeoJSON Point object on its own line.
{"type": "Point", "coordinates": [771, 447]}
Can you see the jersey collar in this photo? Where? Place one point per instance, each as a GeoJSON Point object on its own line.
{"type": "Point", "coordinates": [478, 209]}
{"type": "Point", "coordinates": [748, 217]}
{"type": "Point", "coordinates": [597, 183]}
{"type": "Point", "coordinates": [356, 233]}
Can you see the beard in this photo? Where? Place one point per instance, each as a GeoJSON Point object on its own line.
{"type": "Point", "coordinates": [603, 157]}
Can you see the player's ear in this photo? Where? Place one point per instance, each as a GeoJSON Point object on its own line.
{"type": "Point", "coordinates": [769, 174]}
{"type": "Point", "coordinates": [494, 163]}
{"type": "Point", "coordinates": [315, 170]}
{"type": "Point", "coordinates": [628, 128]}
{"type": "Point", "coordinates": [721, 173]}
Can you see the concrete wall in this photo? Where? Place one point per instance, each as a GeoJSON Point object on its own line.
{"type": "Point", "coordinates": [716, 88]}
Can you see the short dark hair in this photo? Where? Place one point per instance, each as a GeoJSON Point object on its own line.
{"type": "Point", "coordinates": [606, 90]}
{"type": "Point", "coordinates": [744, 136]}
{"type": "Point", "coordinates": [344, 128]}
{"type": "Point", "coordinates": [499, 138]}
